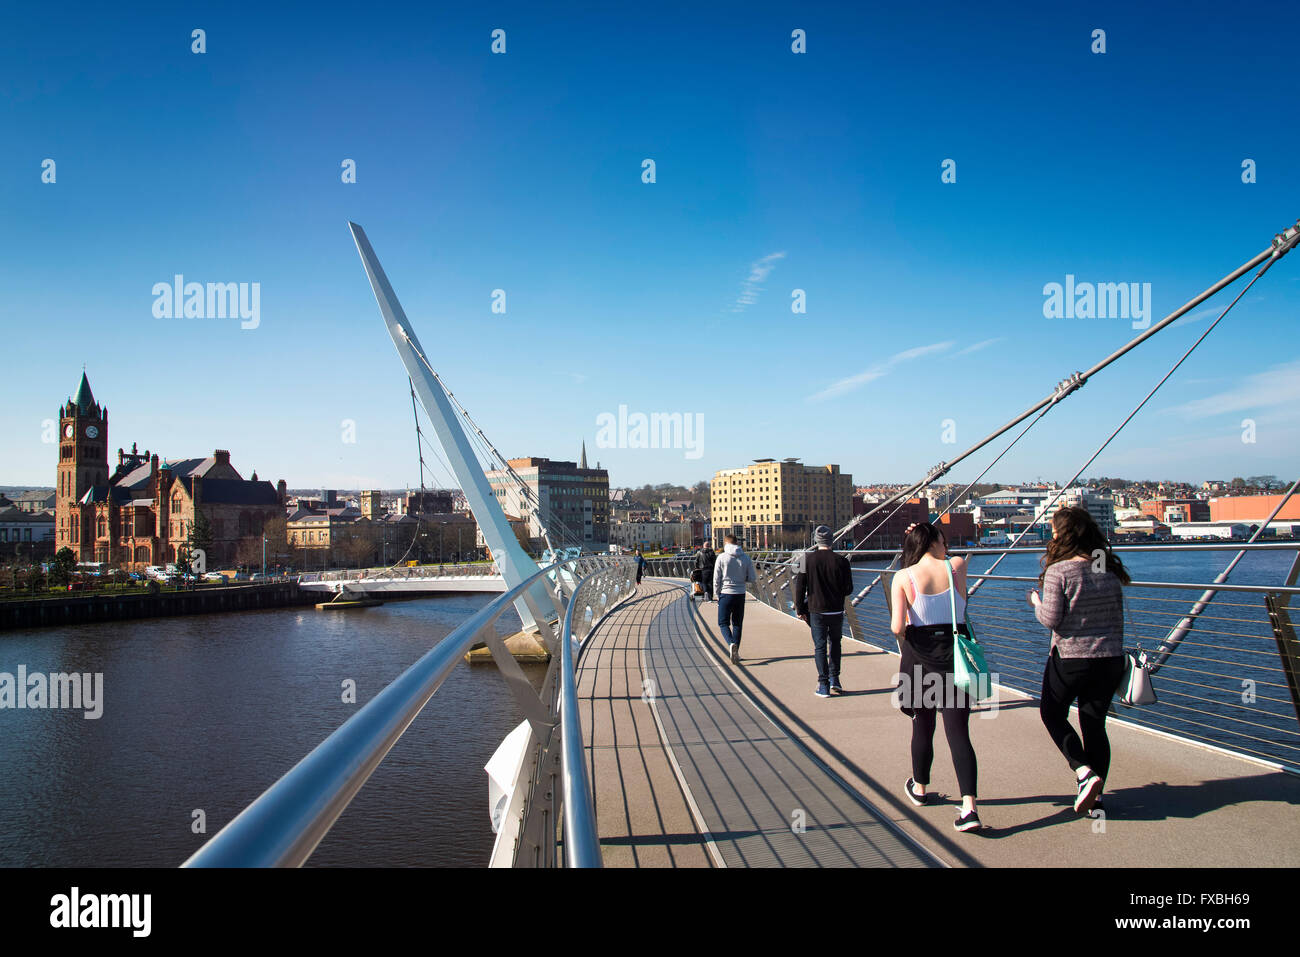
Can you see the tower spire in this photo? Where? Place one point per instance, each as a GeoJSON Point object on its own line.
{"type": "Point", "coordinates": [583, 463]}
{"type": "Point", "coordinates": [85, 398]}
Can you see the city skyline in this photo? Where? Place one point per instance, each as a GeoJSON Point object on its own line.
{"type": "Point", "coordinates": [776, 173]}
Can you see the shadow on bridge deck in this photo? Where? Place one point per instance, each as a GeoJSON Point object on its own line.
{"type": "Point", "coordinates": [711, 778]}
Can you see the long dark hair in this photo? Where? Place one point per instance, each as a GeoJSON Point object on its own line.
{"type": "Point", "coordinates": [919, 540]}
{"type": "Point", "coordinates": [1077, 533]}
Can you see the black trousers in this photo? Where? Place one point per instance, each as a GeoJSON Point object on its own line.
{"type": "Point", "coordinates": [1093, 681]}
{"type": "Point", "coordinates": [926, 691]}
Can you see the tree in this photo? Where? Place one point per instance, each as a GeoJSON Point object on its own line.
{"type": "Point", "coordinates": [35, 579]}
{"type": "Point", "coordinates": [62, 566]}
{"type": "Point", "coordinates": [248, 553]}
{"type": "Point", "coordinates": [1238, 483]}
{"type": "Point", "coordinates": [276, 532]}
{"type": "Point", "coordinates": [199, 538]}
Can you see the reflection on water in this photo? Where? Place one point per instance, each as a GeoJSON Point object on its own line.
{"type": "Point", "coordinates": [205, 712]}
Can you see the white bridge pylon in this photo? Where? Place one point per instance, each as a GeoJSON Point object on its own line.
{"type": "Point", "coordinates": [515, 564]}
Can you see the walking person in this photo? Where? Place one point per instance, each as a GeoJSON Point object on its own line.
{"type": "Point", "coordinates": [731, 572]}
{"type": "Point", "coordinates": [819, 593]}
{"type": "Point", "coordinates": [705, 559]}
{"type": "Point", "coordinates": [640, 565]}
{"type": "Point", "coordinates": [1082, 601]}
{"type": "Point", "coordinates": [924, 595]}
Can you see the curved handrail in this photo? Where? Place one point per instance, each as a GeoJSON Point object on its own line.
{"type": "Point", "coordinates": [283, 826]}
{"type": "Point", "coordinates": [581, 841]}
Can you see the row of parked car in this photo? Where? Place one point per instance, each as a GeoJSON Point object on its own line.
{"type": "Point", "coordinates": [171, 574]}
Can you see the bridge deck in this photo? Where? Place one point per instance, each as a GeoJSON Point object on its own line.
{"type": "Point", "coordinates": [749, 745]}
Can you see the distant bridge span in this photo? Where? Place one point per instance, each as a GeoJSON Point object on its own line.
{"type": "Point", "coordinates": [423, 579]}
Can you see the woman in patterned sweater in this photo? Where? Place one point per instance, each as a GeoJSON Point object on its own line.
{"type": "Point", "coordinates": [1082, 601]}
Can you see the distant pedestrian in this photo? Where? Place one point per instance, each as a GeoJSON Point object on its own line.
{"type": "Point", "coordinates": [640, 565]}
{"type": "Point", "coordinates": [819, 593]}
{"type": "Point", "coordinates": [1083, 603]}
{"type": "Point", "coordinates": [731, 572]}
{"type": "Point", "coordinates": [923, 622]}
{"type": "Point", "coordinates": [705, 559]}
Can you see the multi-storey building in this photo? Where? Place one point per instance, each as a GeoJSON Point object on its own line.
{"type": "Point", "coordinates": [1099, 505]}
{"type": "Point", "coordinates": [26, 535]}
{"type": "Point", "coordinates": [771, 504]}
{"type": "Point", "coordinates": [38, 500]}
{"type": "Point", "coordinates": [568, 499]}
{"type": "Point", "coordinates": [1173, 511]}
{"type": "Point", "coordinates": [142, 512]}
{"type": "Point", "coordinates": [887, 528]}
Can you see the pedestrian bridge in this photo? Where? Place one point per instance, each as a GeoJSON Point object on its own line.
{"type": "Point", "coordinates": [699, 762]}
{"type": "Point", "coordinates": [646, 746]}
{"type": "Point", "coordinates": [396, 582]}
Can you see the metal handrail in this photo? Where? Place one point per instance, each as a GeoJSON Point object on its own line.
{"type": "Point", "coordinates": [283, 826]}
{"type": "Point", "coordinates": [1286, 546]}
{"type": "Point", "coordinates": [581, 840]}
{"type": "Point", "coordinates": [1247, 641]}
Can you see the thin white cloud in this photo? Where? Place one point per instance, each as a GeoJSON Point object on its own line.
{"type": "Point", "coordinates": [978, 346]}
{"type": "Point", "coordinates": [1214, 311]}
{"type": "Point", "coordinates": [758, 273]}
{"type": "Point", "coordinates": [1196, 316]}
{"type": "Point", "coordinates": [879, 370]}
{"type": "Point", "coordinates": [1278, 386]}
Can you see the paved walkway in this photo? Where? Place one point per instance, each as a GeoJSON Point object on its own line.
{"type": "Point", "coordinates": [642, 814]}
{"type": "Point", "coordinates": [726, 787]}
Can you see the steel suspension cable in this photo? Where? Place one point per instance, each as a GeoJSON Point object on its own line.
{"type": "Point", "coordinates": [1128, 418]}
{"type": "Point", "coordinates": [1282, 243]}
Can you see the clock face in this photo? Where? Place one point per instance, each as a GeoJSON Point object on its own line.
{"type": "Point", "coordinates": [67, 431]}
{"type": "Point", "coordinates": [92, 432]}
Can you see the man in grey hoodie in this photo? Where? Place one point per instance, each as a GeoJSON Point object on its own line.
{"type": "Point", "coordinates": [731, 572]}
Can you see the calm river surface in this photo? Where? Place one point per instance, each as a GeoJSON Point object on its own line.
{"type": "Point", "coordinates": [205, 712]}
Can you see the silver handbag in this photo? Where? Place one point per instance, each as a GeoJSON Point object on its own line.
{"type": "Point", "coordinates": [1136, 688]}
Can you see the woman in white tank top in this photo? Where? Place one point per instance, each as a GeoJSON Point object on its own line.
{"type": "Point", "coordinates": [922, 602]}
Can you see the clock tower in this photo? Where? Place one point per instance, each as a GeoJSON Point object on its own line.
{"type": "Point", "coordinates": [83, 464]}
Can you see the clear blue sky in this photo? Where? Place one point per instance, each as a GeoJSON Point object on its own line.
{"type": "Point", "coordinates": [522, 172]}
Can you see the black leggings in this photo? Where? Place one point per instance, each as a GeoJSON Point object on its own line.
{"type": "Point", "coordinates": [956, 727]}
{"type": "Point", "coordinates": [1094, 682]}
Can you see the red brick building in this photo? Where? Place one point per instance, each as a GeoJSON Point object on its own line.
{"type": "Point", "coordinates": [1171, 510]}
{"type": "Point", "coordinates": [895, 528]}
{"type": "Point", "coordinates": [143, 511]}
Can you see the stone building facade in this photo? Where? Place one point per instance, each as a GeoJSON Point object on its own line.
{"type": "Point", "coordinates": [142, 512]}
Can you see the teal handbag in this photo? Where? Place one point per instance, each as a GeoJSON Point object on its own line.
{"type": "Point", "coordinates": [970, 672]}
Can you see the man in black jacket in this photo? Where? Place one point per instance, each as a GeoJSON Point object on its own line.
{"type": "Point", "coordinates": [704, 560]}
{"type": "Point", "coordinates": [820, 588]}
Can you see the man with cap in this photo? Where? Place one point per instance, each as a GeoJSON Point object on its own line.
{"type": "Point", "coordinates": [822, 583]}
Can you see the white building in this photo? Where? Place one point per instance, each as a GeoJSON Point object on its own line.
{"type": "Point", "coordinates": [1100, 507]}
{"type": "Point", "coordinates": [1226, 530]}
{"type": "Point", "coordinates": [19, 527]}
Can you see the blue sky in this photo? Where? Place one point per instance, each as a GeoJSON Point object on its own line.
{"type": "Point", "coordinates": [774, 171]}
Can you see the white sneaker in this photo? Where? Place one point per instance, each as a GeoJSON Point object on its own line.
{"type": "Point", "coordinates": [1089, 791]}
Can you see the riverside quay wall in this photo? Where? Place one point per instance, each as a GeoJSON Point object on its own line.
{"type": "Point", "coordinates": [81, 609]}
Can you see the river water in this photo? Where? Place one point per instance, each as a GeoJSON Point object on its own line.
{"type": "Point", "coordinates": [204, 712]}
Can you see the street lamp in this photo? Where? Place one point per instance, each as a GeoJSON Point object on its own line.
{"type": "Point", "coordinates": [263, 556]}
